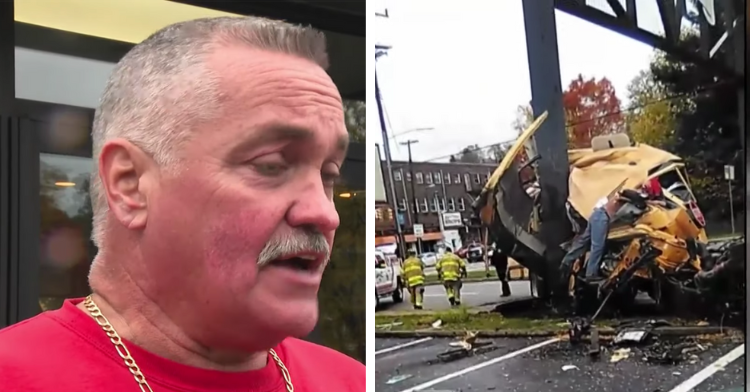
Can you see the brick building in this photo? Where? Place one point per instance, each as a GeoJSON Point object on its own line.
{"type": "Point", "coordinates": [433, 187]}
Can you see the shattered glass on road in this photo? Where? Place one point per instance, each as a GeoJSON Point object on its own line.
{"type": "Point", "coordinates": [558, 366]}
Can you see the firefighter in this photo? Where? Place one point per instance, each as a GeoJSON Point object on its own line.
{"type": "Point", "coordinates": [451, 269]}
{"type": "Point", "coordinates": [413, 274]}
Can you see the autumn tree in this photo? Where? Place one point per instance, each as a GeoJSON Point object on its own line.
{"type": "Point", "coordinates": [591, 109]}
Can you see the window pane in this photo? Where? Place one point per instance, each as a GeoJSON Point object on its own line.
{"type": "Point", "coordinates": [66, 250]}
{"type": "Point", "coordinates": [342, 291]}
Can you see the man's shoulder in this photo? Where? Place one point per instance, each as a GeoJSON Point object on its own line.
{"type": "Point", "coordinates": [27, 345]}
{"type": "Point", "coordinates": [324, 355]}
{"type": "Point", "coordinates": [30, 329]}
{"type": "Point", "coordinates": [323, 364]}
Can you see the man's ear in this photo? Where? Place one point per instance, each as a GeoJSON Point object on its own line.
{"type": "Point", "coordinates": [124, 170]}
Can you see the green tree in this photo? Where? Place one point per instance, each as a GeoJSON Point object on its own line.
{"type": "Point", "coordinates": [344, 288]}
{"type": "Point", "coordinates": [707, 134]}
{"type": "Point", "coordinates": [651, 118]}
{"type": "Point", "coordinates": [496, 152]}
{"type": "Point", "coordinates": [471, 154]}
{"type": "Point", "coordinates": [355, 114]}
{"type": "Point", "coordinates": [524, 118]}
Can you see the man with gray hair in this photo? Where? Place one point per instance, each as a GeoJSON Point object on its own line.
{"type": "Point", "coordinates": [217, 144]}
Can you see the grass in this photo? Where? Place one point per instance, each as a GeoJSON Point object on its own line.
{"type": "Point", "coordinates": [461, 320]}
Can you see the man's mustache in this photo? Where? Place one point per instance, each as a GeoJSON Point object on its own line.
{"type": "Point", "coordinates": [294, 242]}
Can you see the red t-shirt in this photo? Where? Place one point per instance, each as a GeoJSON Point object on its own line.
{"type": "Point", "coordinates": [67, 351]}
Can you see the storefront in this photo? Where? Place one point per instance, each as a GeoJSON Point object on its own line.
{"type": "Point", "coordinates": [55, 57]}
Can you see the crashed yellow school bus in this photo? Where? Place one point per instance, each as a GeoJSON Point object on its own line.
{"type": "Point", "coordinates": [657, 247]}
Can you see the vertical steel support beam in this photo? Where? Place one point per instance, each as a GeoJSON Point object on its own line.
{"type": "Point", "coordinates": [19, 191]}
{"type": "Point", "coordinates": [551, 139]}
{"type": "Point", "coordinates": [29, 222]}
{"type": "Point", "coordinates": [7, 96]}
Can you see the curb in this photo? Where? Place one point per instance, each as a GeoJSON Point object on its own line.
{"type": "Point", "coordinates": [604, 331]}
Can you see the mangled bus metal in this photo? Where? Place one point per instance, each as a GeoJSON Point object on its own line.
{"type": "Point", "coordinates": [508, 211]}
{"type": "Point", "coordinates": [653, 246]}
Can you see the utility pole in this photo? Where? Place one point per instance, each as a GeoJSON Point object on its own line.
{"type": "Point", "coordinates": [445, 208]}
{"type": "Point", "coordinates": [389, 167]}
{"type": "Point", "coordinates": [440, 212]}
{"type": "Point", "coordinates": [406, 195]}
{"type": "Point", "coordinates": [408, 144]}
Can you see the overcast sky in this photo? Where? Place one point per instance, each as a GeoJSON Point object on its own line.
{"type": "Point", "coordinates": [461, 68]}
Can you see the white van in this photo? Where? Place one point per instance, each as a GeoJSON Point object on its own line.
{"type": "Point", "coordinates": [388, 281]}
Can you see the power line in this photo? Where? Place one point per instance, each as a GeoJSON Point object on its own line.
{"type": "Point", "coordinates": [388, 121]}
{"type": "Point", "coordinates": [697, 92]}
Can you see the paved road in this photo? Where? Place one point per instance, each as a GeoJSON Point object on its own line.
{"type": "Point", "coordinates": [508, 369]}
{"type": "Point", "coordinates": [473, 294]}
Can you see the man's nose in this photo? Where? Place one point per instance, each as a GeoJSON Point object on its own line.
{"type": "Point", "coordinates": [312, 207]}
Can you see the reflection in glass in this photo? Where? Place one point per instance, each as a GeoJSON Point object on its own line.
{"type": "Point", "coordinates": [65, 249]}
{"type": "Point", "coordinates": [342, 292]}
{"type": "Point", "coordinates": [356, 118]}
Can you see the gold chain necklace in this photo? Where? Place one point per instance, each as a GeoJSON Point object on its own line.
{"type": "Point", "coordinates": [130, 362]}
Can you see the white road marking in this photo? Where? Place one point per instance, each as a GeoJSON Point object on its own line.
{"type": "Point", "coordinates": [400, 346]}
{"type": "Point", "coordinates": [443, 295]}
{"type": "Point", "coordinates": [480, 365]}
{"type": "Point", "coordinates": [692, 382]}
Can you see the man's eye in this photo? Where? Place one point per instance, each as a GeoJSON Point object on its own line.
{"type": "Point", "coordinates": [270, 169]}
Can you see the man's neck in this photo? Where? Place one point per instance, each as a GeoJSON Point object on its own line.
{"type": "Point", "coordinates": [139, 320]}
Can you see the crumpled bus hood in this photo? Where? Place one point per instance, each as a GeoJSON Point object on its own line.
{"type": "Point", "coordinates": [505, 209]}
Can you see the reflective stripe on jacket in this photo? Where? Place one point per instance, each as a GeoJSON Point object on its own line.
{"type": "Point", "coordinates": [413, 271]}
{"type": "Point", "coordinates": [450, 267]}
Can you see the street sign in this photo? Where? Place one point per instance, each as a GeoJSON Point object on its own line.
{"type": "Point", "coordinates": [452, 219]}
{"type": "Point", "coordinates": [729, 172]}
{"type": "Point", "coordinates": [418, 230]}
{"type": "Point", "coordinates": [729, 176]}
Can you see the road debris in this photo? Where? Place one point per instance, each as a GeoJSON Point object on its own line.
{"type": "Point", "coordinates": [669, 353]}
{"type": "Point", "coordinates": [398, 379]}
{"type": "Point", "coordinates": [631, 336]}
{"type": "Point", "coordinates": [619, 354]}
{"type": "Point", "coordinates": [466, 347]}
{"type": "Point", "coordinates": [389, 325]}
{"type": "Point", "coordinates": [569, 367]}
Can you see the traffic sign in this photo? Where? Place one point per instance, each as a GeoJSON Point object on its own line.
{"type": "Point", "coordinates": [729, 172]}
{"type": "Point", "coordinates": [418, 230]}
{"type": "Point", "coordinates": [452, 219]}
